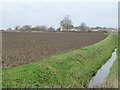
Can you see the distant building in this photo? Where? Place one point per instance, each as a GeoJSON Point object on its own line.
{"type": "Point", "coordinates": [75, 29]}
{"type": "Point", "coordinates": [95, 30]}
{"type": "Point", "coordinates": [115, 30]}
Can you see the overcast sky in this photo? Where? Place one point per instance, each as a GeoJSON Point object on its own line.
{"type": "Point", "coordinates": [50, 13]}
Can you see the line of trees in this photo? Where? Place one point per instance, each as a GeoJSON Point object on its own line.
{"type": "Point", "coordinates": [66, 24]}
{"type": "Point", "coordinates": [36, 28]}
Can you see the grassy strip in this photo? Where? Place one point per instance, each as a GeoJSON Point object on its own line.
{"type": "Point", "coordinates": [72, 69]}
{"type": "Point", "coordinates": [112, 79]}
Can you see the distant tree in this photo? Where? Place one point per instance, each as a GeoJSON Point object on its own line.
{"type": "Point", "coordinates": [2, 30]}
{"type": "Point", "coordinates": [33, 29]}
{"type": "Point", "coordinates": [66, 23]}
{"type": "Point", "coordinates": [43, 28]}
{"type": "Point", "coordinates": [58, 29]}
{"type": "Point", "coordinates": [17, 28]}
{"type": "Point", "coordinates": [98, 27]}
{"type": "Point", "coordinates": [83, 26]}
{"type": "Point", "coordinates": [51, 29]}
{"type": "Point", "coordinates": [37, 28]}
{"type": "Point", "coordinates": [26, 28]}
{"type": "Point", "coordinates": [104, 28]}
{"type": "Point", "coordinates": [9, 29]}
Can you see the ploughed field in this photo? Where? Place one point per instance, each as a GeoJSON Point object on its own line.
{"type": "Point", "coordinates": [20, 48]}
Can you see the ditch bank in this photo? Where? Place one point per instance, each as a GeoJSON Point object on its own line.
{"type": "Point", "coordinates": [99, 79]}
{"type": "Point", "coordinates": [112, 79]}
{"type": "Point", "coordinates": [68, 70]}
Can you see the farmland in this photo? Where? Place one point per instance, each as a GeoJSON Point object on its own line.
{"type": "Point", "coordinates": [20, 48]}
{"type": "Point", "coordinates": [78, 66]}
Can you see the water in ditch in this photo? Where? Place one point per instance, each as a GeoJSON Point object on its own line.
{"type": "Point", "coordinates": [98, 80]}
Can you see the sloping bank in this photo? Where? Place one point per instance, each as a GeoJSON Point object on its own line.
{"type": "Point", "coordinates": [72, 69]}
{"type": "Point", "coordinates": [112, 79]}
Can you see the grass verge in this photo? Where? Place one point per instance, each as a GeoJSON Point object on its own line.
{"type": "Point", "coordinates": [72, 69]}
{"type": "Point", "coordinates": [112, 79]}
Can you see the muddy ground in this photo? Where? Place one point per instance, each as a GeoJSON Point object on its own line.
{"type": "Point", "coordinates": [20, 48]}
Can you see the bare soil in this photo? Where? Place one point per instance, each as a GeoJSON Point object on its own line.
{"type": "Point", "coordinates": [20, 48]}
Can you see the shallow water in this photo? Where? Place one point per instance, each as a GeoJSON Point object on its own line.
{"type": "Point", "coordinates": [99, 78]}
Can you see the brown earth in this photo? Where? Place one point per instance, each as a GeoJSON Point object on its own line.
{"type": "Point", "coordinates": [20, 48]}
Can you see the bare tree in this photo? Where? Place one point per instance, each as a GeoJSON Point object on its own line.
{"type": "Point", "coordinates": [83, 26]}
{"type": "Point", "coordinates": [43, 28]}
{"type": "Point", "coordinates": [58, 29]}
{"type": "Point", "coordinates": [37, 28]}
{"type": "Point", "coordinates": [17, 28]}
{"type": "Point", "coordinates": [98, 27]}
{"type": "Point", "coordinates": [40, 28]}
{"type": "Point", "coordinates": [26, 28]}
{"type": "Point", "coordinates": [66, 23]}
{"type": "Point", "coordinates": [9, 29]}
{"type": "Point", "coordinates": [51, 29]}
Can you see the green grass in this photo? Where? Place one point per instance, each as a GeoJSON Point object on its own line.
{"type": "Point", "coordinates": [112, 79]}
{"type": "Point", "coordinates": [72, 69]}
